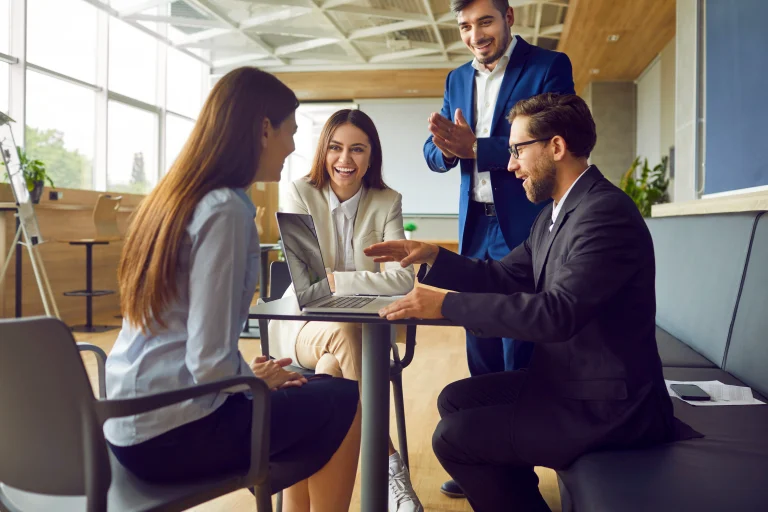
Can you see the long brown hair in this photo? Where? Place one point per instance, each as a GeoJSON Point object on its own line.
{"type": "Point", "coordinates": [318, 174]}
{"type": "Point", "coordinates": [223, 150]}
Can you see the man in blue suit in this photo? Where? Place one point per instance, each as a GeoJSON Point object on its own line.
{"type": "Point", "coordinates": [494, 213]}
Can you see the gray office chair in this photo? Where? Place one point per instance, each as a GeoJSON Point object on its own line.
{"type": "Point", "coordinates": [280, 280]}
{"type": "Point", "coordinates": [52, 446]}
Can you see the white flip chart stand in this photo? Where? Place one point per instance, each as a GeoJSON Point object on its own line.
{"type": "Point", "coordinates": [28, 232]}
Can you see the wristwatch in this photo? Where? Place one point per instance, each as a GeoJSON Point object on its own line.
{"type": "Point", "coordinates": [474, 148]}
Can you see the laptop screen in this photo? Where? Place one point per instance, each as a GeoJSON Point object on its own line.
{"type": "Point", "coordinates": [302, 252]}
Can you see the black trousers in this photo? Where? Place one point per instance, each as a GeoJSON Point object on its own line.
{"type": "Point", "coordinates": [473, 442]}
{"type": "Point", "coordinates": [308, 425]}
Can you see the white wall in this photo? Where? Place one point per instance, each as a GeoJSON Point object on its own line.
{"type": "Point", "coordinates": [649, 114]}
{"type": "Point", "coordinates": [402, 127]}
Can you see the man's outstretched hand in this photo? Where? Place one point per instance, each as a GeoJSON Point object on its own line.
{"type": "Point", "coordinates": [422, 302]}
{"type": "Point", "coordinates": [407, 252]}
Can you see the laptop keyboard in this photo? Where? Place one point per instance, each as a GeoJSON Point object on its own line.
{"type": "Point", "coordinates": [346, 302]}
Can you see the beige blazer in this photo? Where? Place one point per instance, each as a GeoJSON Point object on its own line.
{"type": "Point", "coordinates": [379, 218]}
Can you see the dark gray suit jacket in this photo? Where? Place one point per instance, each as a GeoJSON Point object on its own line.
{"type": "Point", "coordinates": [585, 294]}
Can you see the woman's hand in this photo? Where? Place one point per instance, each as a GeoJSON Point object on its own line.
{"type": "Point", "coordinates": [272, 372]}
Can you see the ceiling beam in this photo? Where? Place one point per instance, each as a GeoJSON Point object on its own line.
{"type": "Point", "coordinates": [552, 30]}
{"type": "Point", "coordinates": [537, 23]}
{"type": "Point", "coordinates": [405, 54]}
{"type": "Point", "coordinates": [386, 28]}
{"type": "Point", "coordinates": [203, 35]}
{"type": "Point", "coordinates": [287, 30]}
{"type": "Point", "coordinates": [305, 45]}
{"type": "Point", "coordinates": [283, 14]}
{"type": "Point", "coordinates": [149, 4]}
{"type": "Point", "coordinates": [435, 29]}
{"type": "Point", "coordinates": [344, 41]}
{"type": "Point", "coordinates": [208, 8]}
{"type": "Point", "coordinates": [239, 59]}
{"type": "Point", "coordinates": [176, 20]}
{"type": "Point", "coordinates": [380, 13]}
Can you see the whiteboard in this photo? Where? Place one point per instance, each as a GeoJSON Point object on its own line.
{"type": "Point", "coordinates": [9, 157]}
{"type": "Point", "coordinates": [402, 127]}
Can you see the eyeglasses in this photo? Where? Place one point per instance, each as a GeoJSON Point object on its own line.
{"type": "Point", "coordinates": [514, 149]}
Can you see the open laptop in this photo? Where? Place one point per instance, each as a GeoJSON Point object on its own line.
{"type": "Point", "coordinates": [305, 264]}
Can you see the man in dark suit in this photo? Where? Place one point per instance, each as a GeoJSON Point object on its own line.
{"type": "Point", "coordinates": [494, 215]}
{"type": "Point", "coordinates": [581, 288]}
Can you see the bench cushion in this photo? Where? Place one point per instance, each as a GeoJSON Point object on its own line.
{"type": "Point", "coordinates": [674, 352]}
{"type": "Point", "coordinates": [724, 470]}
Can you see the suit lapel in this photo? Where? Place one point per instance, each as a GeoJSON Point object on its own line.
{"type": "Point", "coordinates": [330, 238]}
{"type": "Point", "coordinates": [515, 66]}
{"type": "Point", "coordinates": [571, 202]}
{"type": "Point", "coordinates": [467, 101]}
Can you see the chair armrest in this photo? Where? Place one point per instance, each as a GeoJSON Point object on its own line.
{"type": "Point", "coordinates": [101, 360]}
{"type": "Point", "coordinates": [260, 422]}
{"type": "Point", "coordinates": [118, 408]}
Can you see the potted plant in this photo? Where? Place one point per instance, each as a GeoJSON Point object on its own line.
{"type": "Point", "coordinates": [409, 229]}
{"type": "Point", "coordinates": [649, 188]}
{"type": "Point", "coordinates": [34, 174]}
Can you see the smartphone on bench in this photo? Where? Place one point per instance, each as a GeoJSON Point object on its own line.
{"type": "Point", "coordinates": [690, 392]}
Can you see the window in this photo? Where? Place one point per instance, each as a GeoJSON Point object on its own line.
{"type": "Point", "coordinates": [4, 87]}
{"type": "Point", "coordinates": [177, 130]}
{"type": "Point", "coordinates": [60, 129]}
{"type": "Point", "coordinates": [61, 36]}
{"type": "Point", "coordinates": [132, 62]}
{"type": "Point", "coordinates": [131, 149]}
{"type": "Point", "coordinates": [185, 83]}
{"type": "Point", "coordinates": [5, 26]}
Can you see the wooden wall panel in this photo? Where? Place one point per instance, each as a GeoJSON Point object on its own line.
{"type": "Point", "coordinates": [70, 218]}
{"type": "Point", "coordinates": [350, 85]}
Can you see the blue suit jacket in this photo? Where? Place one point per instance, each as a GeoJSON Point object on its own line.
{"type": "Point", "coordinates": [531, 71]}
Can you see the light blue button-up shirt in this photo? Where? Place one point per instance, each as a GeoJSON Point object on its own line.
{"type": "Point", "coordinates": [216, 278]}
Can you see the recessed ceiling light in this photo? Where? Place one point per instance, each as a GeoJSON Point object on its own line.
{"type": "Point", "coordinates": [594, 71]}
{"type": "Point", "coordinates": [613, 38]}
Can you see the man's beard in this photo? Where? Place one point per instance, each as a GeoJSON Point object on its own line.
{"type": "Point", "coordinates": [541, 181]}
{"type": "Point", "coordinates": [499, 53]}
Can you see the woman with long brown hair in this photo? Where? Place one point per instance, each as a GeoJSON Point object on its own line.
{"type": "Point", "coordinates": [352, 208]}
{"type": "Point", "coordinates": [187, 276]}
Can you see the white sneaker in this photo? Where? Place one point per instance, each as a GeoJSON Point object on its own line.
{"type": "Point", "coordinates": [402, 497]}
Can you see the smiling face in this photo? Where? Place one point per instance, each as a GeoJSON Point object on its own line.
{"type": "Point", "coordinates": [347, 160]}
{"type": "Point", "coordinates": [536, 165]}
{"type": "Point", "coordinates": [486, 31]}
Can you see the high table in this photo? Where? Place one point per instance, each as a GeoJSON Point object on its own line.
{"type": "Point", "coordinates": [377, 333]}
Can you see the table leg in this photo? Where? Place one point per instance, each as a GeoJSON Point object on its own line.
{"type": "Point", "coordinates": [375, 400]}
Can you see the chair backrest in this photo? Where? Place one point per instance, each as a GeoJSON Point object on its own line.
{"type": "Point", "coordinates": [51, 441]}
{"type": "Point", "coordinates": [747, 356]}
{"type": "Point", "coordinates": [700, 262]}
{"type": "Point", "coordinates": [105, 216]}
{"type": "Point", "coordinates": [279, 279]}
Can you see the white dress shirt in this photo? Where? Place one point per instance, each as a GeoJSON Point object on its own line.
{"type": "Point", "coordinates": [556, 207]}
{"type": "Point", "coordinates": [344, 224]}
{"type": "Point", "coordinates": [487, 87]}
{"type": "Point", "coordinates": [216, 277]}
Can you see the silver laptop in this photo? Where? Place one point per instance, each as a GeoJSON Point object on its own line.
{"type": "Point", "coordinates": [305, 264]}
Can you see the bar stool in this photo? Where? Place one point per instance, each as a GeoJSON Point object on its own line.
{"type": "Point", "coordinates": [105, 222]}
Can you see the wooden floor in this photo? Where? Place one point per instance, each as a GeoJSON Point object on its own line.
{"type": "Point", "coordinates": [440, 359]}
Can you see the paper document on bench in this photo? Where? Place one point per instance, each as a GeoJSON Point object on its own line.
{"type": "Point", "coordinates": [722, 394]}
